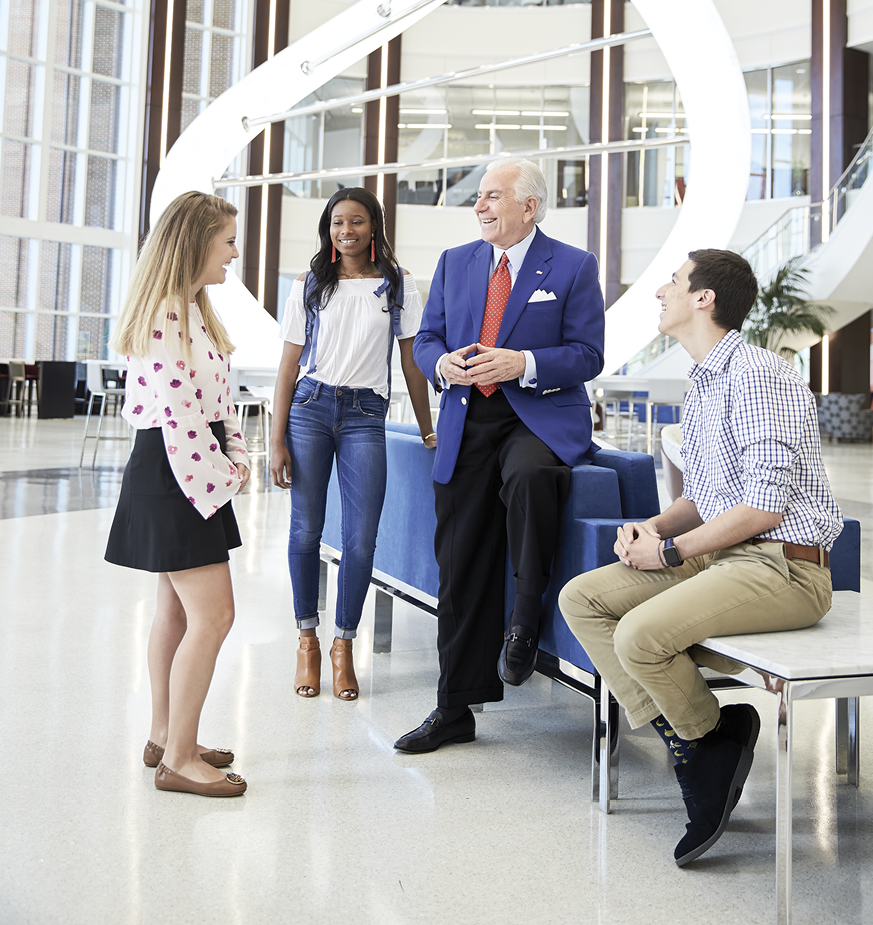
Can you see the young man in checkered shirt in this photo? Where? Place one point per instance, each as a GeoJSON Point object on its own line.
{"type": "Point", "coordinates": [745, 549]}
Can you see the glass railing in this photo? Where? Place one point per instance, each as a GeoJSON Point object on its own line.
{"type": "Point", "coordinates": [802, 229]}
{"type": "Point", "coordinates": [847, 187]}
{"type": "Point", "coordinates": [796, 233]}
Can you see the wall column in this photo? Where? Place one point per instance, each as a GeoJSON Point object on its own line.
{"type": "Point", "coordinates": [605, 171]}
{"type": "Point", "coordinates": [839, 127]}
{"type": "Point", "coordinates": [380, 129]}
{"type": "Point", "coordinates": [263, 218]}
{"type": "Point", "coordinates": [163, 106]}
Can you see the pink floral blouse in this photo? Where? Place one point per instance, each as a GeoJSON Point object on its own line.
{"type": "Point", "coordinates": [183, 395]}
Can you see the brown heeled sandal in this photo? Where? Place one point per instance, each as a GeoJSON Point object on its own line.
{"type": "Point", "coordinates": [344, 680]}
{"type": "Point", "coordinates": [307, 680]}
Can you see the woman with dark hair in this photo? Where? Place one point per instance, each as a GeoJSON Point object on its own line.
{"type": "Point", "coordinates": [331, 399]}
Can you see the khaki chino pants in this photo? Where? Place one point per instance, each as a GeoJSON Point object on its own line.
{"type": "Point", "coordinates": [639, 627]}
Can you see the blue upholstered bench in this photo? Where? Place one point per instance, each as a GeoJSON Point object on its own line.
{"type": "Point", "coordinates": [617, 487]}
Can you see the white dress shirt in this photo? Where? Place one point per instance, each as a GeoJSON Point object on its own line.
{"type": "Point", "coordinates": [515, 258]}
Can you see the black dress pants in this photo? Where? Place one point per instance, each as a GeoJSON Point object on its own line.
{"type": "Point", "coordinates": [508, 486]}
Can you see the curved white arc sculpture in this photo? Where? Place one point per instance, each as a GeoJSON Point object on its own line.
{"type": "Point", "coordinates": [210, 143]}
{"type": "Point", "coordinates": [702, 58]}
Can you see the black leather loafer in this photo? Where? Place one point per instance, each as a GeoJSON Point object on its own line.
{"type": "Point", "coordinates": [518, 657]}
{"type": "Point", "coordinates": [710, 783]}
{"type": "Point", "coordinates": [433, 732]}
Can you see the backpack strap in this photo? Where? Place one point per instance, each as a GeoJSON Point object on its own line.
{"type": "Point", "coordinates": [307, 356]}
{"type": "Point", "coordinates": [396, 329]}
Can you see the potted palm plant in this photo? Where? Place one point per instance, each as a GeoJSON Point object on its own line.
{"type": "Point", "coordinates": [783, 308]}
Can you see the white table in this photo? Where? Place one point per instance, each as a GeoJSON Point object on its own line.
{"type": "Point", "coordinates": [833, 659]}
{"type": "Point", "coordinates": [660, 392]}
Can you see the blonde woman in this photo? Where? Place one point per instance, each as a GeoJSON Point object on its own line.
{"type": "Point", "coordinates": [174, 515]}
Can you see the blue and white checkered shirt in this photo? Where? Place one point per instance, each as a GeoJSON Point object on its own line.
{"type": "Point", "coordinates": [750, 435]}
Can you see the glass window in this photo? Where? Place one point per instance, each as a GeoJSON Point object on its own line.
{"type": "Point", "coordinates": [74, 65]}
{"type": "Point", "coordinates": [790, 119]}
{"type": "Point", "coordinates": [757, 86]}
{"type": "Point", "coordinates": [320, 141]}
{"type": "Point", "coordinates": [657, 177]}
{"type": "Point", "coordinates": [780, 102]}
{"type": "Point", "coordinates": [214, 52]}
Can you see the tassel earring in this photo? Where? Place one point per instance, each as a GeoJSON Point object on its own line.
{"type": "Point", "coordinates": [333, 253]}
{"type": "Point", "coordinates": [373, 250]}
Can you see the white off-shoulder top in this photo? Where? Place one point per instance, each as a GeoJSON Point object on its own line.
{"type": "Point", "coordinates": [354, 331]}
{"type": "Point", "coordinates": [182, 395]}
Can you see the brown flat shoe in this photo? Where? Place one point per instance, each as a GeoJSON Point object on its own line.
{"type": "Point", "coordinates": [345, 684]}
{"type": "Point", "coordinates": [232, 786]}
{"type": "Point", "coordinates": [307, 681]}
{"type": "Point", "coordinates": [217, 757]}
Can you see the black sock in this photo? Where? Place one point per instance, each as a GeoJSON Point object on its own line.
{"type": "Point", "coordinates": [450, 714]}
{"type": "Point", "coordinates": [527, 611]}
{"type": "Point", "coordinates": [680, 749]}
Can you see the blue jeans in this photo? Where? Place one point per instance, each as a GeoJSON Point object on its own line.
{"type": "Point", "coordinates": [326, 421]}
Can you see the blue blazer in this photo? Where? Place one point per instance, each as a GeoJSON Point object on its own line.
{"type": "Point", "coordinates": [565, 335]}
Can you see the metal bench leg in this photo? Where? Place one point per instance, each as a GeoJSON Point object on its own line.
{"type": "Point", "coordinates": [783, 805]}
{"type": "Point", "coordinates": [841, 736]}
{"type": "Point", "coordinates": [604, 761]}
{"type": "Point", "coordinates": [384, 622]}
{"type": "Point", "coordinates": [854, 741]}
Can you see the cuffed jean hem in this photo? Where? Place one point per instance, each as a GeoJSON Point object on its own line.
{"type": "Point", "coordinates": [341, 633]}
{"type": "Point", "coordinates": [307, 623]}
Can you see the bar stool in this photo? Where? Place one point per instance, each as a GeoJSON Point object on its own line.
{"type": "Point", "coordinates": [31, 374]}
{"type": "Point", "coordinates": [94, 381]}
{"type": "Point", "coordinates": [17, 385]}
{"type": "Point", "coordinates": [244, 401]}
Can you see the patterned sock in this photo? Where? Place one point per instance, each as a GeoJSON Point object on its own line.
{"type": "Point", "coordinates": [680, 749]}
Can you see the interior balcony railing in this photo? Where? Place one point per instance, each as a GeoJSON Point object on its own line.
{"type": "Point", "coordinates": [444, 163]}
{"type": "Point", "coordinates": [801, 229]}
{"type": "Point", "coordinates": [798, 232]}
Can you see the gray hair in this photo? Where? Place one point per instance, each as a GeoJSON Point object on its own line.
{"type": "Point", "coordinates": [530, 182]}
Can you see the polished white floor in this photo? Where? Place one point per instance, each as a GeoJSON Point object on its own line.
{"type": "Point", "coordinates": [337, 828]}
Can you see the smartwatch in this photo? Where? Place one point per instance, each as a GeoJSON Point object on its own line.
{"type": "Point", "coordinates": [671, 553]}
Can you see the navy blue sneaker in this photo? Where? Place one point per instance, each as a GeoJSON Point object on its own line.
{"type": "Point", "coordinates": [710, 782]}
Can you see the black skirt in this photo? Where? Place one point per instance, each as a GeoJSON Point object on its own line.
{"type": "Point", "coordinates": [156, 528]}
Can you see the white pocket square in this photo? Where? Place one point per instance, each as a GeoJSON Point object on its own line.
{"type": "Point", "coordinates": [542, 296]}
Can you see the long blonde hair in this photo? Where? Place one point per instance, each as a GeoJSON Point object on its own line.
{"type": "Point", "coordinates": [171, 261]}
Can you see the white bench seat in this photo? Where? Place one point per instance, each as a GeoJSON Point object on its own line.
{"type": "Point", "coordinates": [833, 659]}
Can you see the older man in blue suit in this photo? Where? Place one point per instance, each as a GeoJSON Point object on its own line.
{"type": "Point", "coordinates": [512, 330]}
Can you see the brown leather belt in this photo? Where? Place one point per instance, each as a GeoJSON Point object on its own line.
{"type": "Point", "coordinates": [793, 551]}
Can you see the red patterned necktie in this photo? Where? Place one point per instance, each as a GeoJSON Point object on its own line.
{"type": "Point", "coordinates": [498, 295]}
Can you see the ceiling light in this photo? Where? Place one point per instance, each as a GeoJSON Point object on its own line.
{"type": "Point", "coordinates": [496, 112]}
{"type": "Point", "coordinates": [423, 112]}
{"type": "Point", "coordinates": [424, 125]}
{"type": "Point", "coordinates": [662, 115]}
{"type": "Point", "coordinates": [544, 112]}
{"type": "Point", "coordinates": [796, 116]}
